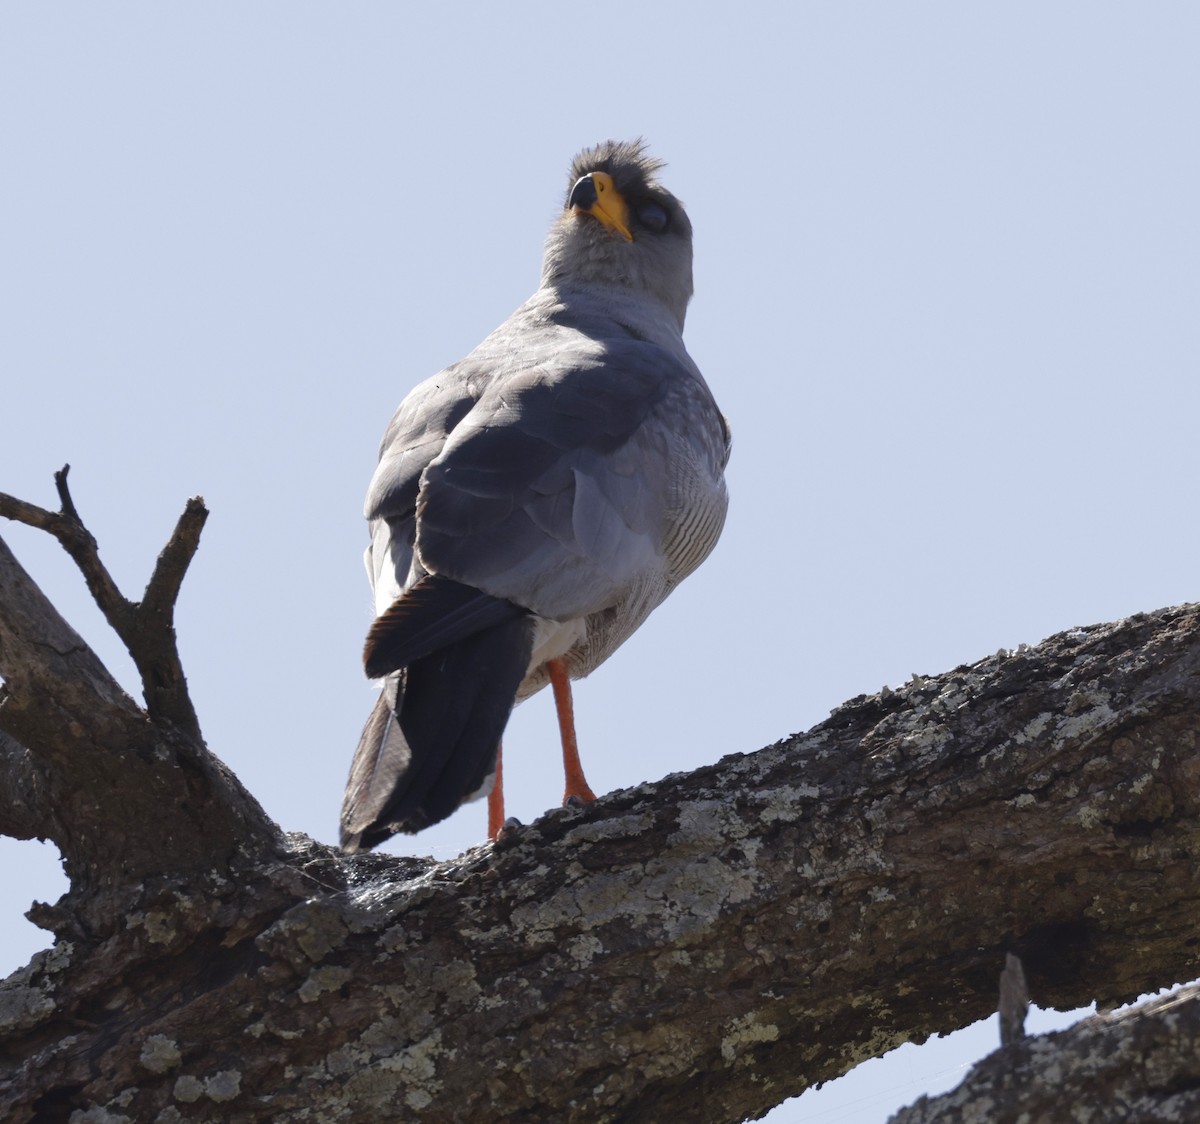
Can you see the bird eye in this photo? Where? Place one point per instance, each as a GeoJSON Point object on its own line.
{"type": "Point", "coordinates": [653, 217]}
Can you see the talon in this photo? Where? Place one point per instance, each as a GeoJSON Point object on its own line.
{"type": "Point", "coordinates": [506, 831]}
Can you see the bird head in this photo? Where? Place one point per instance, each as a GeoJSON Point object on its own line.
{"type": "Point", "coordinates": [621, 228]}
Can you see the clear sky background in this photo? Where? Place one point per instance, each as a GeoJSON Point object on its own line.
{"type": "Point", "coordinates": [947, 292]}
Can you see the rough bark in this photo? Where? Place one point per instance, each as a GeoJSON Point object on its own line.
{"type": "Point", "coordinates": [699, 948]}
{"type": "Point", "coordinates": [1141, 1064]}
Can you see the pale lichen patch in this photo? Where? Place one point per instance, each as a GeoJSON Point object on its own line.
{"type": "Point", "coordinates": [188, 1089]}
{"type": "Point", "coordinates": [455, 980]}
{"type": "Point", "coordinates": [393, 941]}
{"type": "Point", "coordinates": [584, 949]}
{"type": "Point", "coordinates": [708, 821]}
{"type": "Point", "coordinates": [878, 1043]}
{"type": "Point", "coordinates": [159, 1054]}
{"type": "Point", "coordinates": [1089, 817]}
{"type": "Point", "coordinates": [22, 1006]}
{"type": "Point", "coordinates": [929, 738]}
{"type": "Point", "coordinates": [1033, 729]}
{"type": "Point", "coordinates": [1096, 715]}
{"type": "Point", "coordinates": [412, 1071]}
{"type": "Point", "coordinates": [306, 934]}
{"type": "Point", "coordinates": [321, 980]}
{"type": "Point", "coordinates": [159, 926]}
{"type": "Point", "coordinates": [786, 803]}
{"type": "Point", "coordinates": [321, 932]}
{"type": "Point", "coordinates": [688, 897]}
{"type": "Point", "coordinates": [1140, 784]}
{"type": "Point", "coordinates": [744, 1032]}
{"type": "Point", "coordinates": [223, 1086]}
{"type": "Point", "coordinates": [600, 900]}
{"type": "Point", "coordinates": [617, 828]}
{"type": "Point", "coordinates": [52, 960]}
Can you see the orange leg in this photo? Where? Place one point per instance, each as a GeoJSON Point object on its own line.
{"type": "Point", "coordinates": [577, 785]}
{"type": "Point", "coordinates": [496, 798]}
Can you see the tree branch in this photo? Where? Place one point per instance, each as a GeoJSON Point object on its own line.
{"type": "Point", "coordinates": [699, 948]}
{"type": "Point", "coordinates": [1140, 1064]}
{"type": "Point", "coordinates": [124, 798]}
{"type": "Point", "coordinates": [146, 628]}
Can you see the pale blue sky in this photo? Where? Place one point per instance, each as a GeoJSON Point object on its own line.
{"type": "Point", "coordinates": [947, 292]}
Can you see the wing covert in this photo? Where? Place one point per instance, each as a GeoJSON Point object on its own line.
{"type": "Point", "coordinates": [554, 490]}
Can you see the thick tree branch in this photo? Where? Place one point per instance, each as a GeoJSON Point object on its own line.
{"type": "Point", "coordinates": [123, 797]}
{"type": "Point", "coordinates": [1141, 1064]}
{"type": "Point", "coordinates": [700, 948]}
{"type": "Point", "coordinates": [146, 628]}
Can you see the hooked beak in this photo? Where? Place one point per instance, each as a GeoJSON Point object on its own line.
{"type": "Point", "coordinates": [595, 194]}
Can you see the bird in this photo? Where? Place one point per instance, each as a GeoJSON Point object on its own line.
{"type": "Point", "coordinates": [534, 502]}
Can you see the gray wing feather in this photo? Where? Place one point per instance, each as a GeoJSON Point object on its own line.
{"type": "Point", "coordinates": [555, 490]}
{"type": "Point", "coordinates": [415, 436]}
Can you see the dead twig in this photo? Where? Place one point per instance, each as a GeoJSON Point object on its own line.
{"type": "Point", "coordinates": [146, 627]}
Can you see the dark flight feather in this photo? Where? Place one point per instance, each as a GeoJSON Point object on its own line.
{"type": "Point", "coordinates": [415, 765]}
{"type": "Point", "coordinates": [431, 615]}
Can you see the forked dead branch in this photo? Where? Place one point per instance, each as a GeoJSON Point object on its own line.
{"type": "Point", "coordinates": [146, 627]}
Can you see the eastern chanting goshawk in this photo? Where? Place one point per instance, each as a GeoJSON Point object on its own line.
{"type": "Point", "coordinates": [535, 501]}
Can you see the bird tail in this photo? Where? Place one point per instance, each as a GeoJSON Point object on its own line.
{"type": "Point", "coordinates": [430, 743]}
{"type": "Point", "coordinates": [381, 758]}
